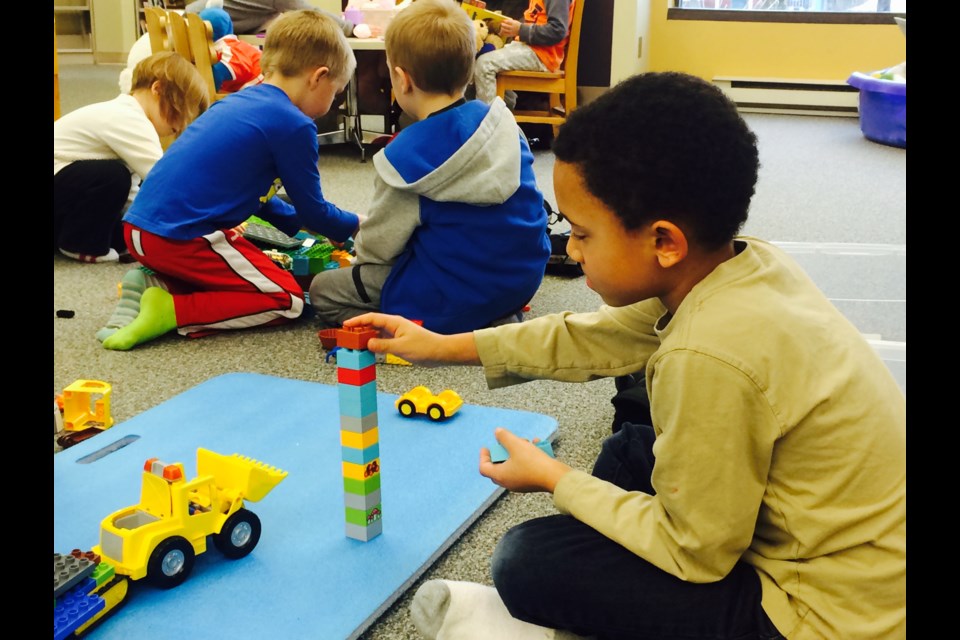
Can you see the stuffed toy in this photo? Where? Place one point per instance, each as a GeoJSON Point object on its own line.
{"type": "Point", "coordinates": [238, 63]}
{"type": "Point", "coordinates": [486, 39]}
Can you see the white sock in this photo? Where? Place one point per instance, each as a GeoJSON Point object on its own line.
{"type": "Point", "coordinates": [109, 256]}
{"type": "Point", "coordinates": [452, 610]}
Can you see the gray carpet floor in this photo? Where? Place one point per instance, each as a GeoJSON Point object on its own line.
{"type": "Point", "coordinates": [835, 199]}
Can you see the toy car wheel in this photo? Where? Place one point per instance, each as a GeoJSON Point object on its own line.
{"type": "Point", "coordinates": [406, 408]}
{"type": "Point", "coordinates": [435, 412]}
{"type": "Point", "coordinates": [170, 563]}
{"type": "Point", "coordinates": [239, 535]}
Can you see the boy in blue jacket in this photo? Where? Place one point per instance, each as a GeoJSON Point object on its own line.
{"type": "Point", "coordinates": [456, 233]}
{"type": "Point", "coordinates": [222, 170]}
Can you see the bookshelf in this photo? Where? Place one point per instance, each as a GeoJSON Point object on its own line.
{"type": "Point", "coordinates": [74, 26]}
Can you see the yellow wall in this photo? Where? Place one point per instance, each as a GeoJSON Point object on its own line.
{"type": "Point", "coordinates": [114, 29]}
{"type": "Point", "coordinates": [770, 49]}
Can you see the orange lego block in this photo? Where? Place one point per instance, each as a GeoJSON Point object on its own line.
{"type": "Point", "coordinates": [355, 337]}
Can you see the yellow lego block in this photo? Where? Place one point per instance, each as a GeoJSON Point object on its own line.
{"type": "Point", "coordinates": [361, 471]}
{"type": "Point", "coordinates": [360, 440]}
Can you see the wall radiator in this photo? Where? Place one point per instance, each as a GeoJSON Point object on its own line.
{"type": "Point", "coordinates": [807, 97]}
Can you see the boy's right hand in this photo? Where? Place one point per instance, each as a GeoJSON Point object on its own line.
{"type": "Point", "coordinates": [408, 340]}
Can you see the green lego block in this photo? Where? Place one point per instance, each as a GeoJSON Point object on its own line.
{"type": "Point", "coordinates": [362, 487]}
{"type": "Point", "coordinates": [362, 518]}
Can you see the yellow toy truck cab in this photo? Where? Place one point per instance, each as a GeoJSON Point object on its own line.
{"type": "Point", "coordinates": [160, 537]}
{"type": "Point", "coordinates": [421, 400]}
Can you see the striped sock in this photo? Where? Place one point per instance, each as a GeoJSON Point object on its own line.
{"type": "Point", "coordinates": [132, 286]}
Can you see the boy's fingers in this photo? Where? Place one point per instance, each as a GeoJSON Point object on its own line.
{"type": "Point", "coordinates": [504, 437]}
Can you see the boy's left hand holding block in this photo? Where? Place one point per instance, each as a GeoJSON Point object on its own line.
{"type": "Point", "coordinates": [498, 453]}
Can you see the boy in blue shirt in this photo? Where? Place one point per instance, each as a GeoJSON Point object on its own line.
{"type": "Point", "coordinates": [456, 233]}
{"type": "Point", "coordinates": [227, 167]}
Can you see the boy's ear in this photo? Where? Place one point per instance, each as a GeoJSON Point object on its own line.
{"type": "Point", "coordinates": [671, 242]}
{"type": "Point", "coordinates": [318, 73]}
{"type": "Point", "coordinates": [404, 83]}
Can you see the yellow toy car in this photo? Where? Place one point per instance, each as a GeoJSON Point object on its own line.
{"type": "Point", "coordinates": [421, 400]}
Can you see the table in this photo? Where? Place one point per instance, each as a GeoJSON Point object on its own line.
{"type": "Point", "coordinates": [352, 130]}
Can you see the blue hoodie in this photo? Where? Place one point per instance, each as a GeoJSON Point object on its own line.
{"type": "Point", "coordinates": [458, 214]}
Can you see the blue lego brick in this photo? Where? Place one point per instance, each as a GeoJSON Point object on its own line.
{"type": "Point", "coordinates": [301, 266]}
{"type": "Point", "coordinates": [499, 454]}
{"type": "Point", "coordinates": [357, 401]}
{"type": "Point", "coordinates": [361, 456]}
{"type": "Point", "coordinates": [361, 502]}
{"type": "Point", "coordinates": [355, 358]}
{"type": "Point", "coordinates": [359, 424]}
{"type": "Point", "coordinates": [68, 570]}
{"type": "Point", "coordinates": [74, 610]}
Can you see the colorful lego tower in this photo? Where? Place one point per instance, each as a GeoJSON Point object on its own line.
{"type": "Point", "coordinates": [359, 433]}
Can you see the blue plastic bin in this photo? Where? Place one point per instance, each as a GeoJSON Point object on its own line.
{"type": "Point", "coordinates": [883, 109]}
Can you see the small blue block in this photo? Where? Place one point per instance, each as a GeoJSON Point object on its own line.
{"type": "Point", "coordinates": [361, 456]}
{"type": "Point", "coordinates": [499, 454]}
{"type": "Point", "coordinates": [357, 401]}
{"type": "Point", "coordinates": [355, 358]}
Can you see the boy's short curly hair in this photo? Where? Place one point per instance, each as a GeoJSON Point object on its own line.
{"type": "Point", "coordinates": [666, 145]}
{"type": "Point", "coordinates": [303, 40]}
{"type": "Point", "coordinates": [183, 93]}
{"type": "Point", "coordinates": [435, 42]}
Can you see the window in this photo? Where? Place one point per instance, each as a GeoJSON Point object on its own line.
{"type": "Point", "coordinates": [825, 11]}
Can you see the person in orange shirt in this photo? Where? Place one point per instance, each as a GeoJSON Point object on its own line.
{"type": "Point", "coordinates": [537, 44]}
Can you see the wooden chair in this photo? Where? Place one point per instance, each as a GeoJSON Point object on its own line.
{"type": "Point", "coordinates": [177, 27]}
{"type": "Point", "coordinates": [157, 29]}
{"type": "Point", "coordinates": [204, 55]}
{"type": "Point", "coordinates": [560, 85]}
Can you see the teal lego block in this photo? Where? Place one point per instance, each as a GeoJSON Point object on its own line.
{"type": "Point", "coordinates": [361, 502]}
{"type": "Point", "coordinates": [364, 534]}
{"type": "Point", "coordinates": [499, 454]}
{"type": "Point", "coordinates": [361, 456]}
{"type": "Point", "coordinates": [357, 401]}
{"type": "Point", "coordinates": [359, 424]}
{"type": "Point", "coordinates": [355, 358]}
{"type": "Point", "coordinates": [301, 266]}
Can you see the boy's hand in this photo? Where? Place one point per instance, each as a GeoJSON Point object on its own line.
{"type": "Point", "coordinates": [410, 341]}
{"type": "Point", "coordinates": [509, 28]}
{"type": "Point", "coordinates": [527, 469]}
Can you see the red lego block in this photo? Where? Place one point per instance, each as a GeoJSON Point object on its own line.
{"type": "Point", "coordinates": [355, 337]}
{"type": "Point", "coordinates": [357, 377]}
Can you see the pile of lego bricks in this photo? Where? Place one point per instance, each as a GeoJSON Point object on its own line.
{"type": "Point", "coordinates": [85, 589]}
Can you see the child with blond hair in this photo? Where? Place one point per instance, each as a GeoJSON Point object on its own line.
{"type": "Point", "coordinates": [228, 166]}
{"type": "Point", "coordinates": [102, 151]}
{"type": "Point", "coordinates": [456, 233]}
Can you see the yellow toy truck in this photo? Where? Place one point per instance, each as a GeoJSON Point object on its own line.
{"type": "Point", "coordinates": [160, 537]}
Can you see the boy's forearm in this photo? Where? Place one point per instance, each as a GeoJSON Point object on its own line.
{"type": "Point", "coordinates": [459, 348]}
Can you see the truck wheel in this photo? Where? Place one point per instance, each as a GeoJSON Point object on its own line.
{"type": "Point", "coordinates": [239, 535]}
{"type": "Point", "coordinates": [406, 408]}
{"type": "Point", "coordinates": [170, 563]}
{"type": "Point", "coordinates": [435, 412]}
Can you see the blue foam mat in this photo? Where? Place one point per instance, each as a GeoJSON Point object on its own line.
{"type": "Point", "coordinates": [305, 579]}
